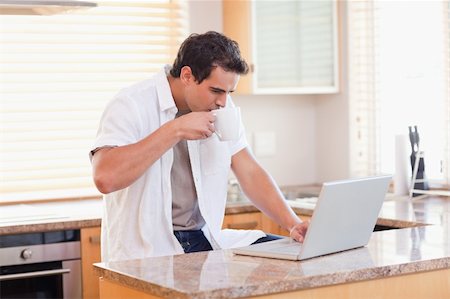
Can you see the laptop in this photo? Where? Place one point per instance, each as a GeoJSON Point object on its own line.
{"type": "Point", "coordinates": [344, 218]}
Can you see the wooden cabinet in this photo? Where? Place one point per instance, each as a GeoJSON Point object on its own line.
{"type": "Point", "coordinates": [426, 284]}
{"type": "Point", "coordinates": [270, 227]}
{"type": "Point", "coordinates": [90, 254]}
{"type": "Point", "coordinates": [256, 220]}
{"type": "Point", "coordinates": [243, 221]}
{"type": "Point", "coordinates": [291, 46]}
{"type": "Point", "coordinates": [236, 25]}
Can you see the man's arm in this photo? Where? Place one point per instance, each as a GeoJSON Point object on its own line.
{"type": "Point", "coordinates": [115, 168]}
{"type": "Point", "coordinates": [260, 188]}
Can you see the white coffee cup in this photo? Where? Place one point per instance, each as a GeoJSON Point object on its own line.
{"type": "Point", "coordinates": [227, 123]}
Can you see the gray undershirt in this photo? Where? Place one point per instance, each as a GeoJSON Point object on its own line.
{"type": "Point", "coordinates": [185, 211]}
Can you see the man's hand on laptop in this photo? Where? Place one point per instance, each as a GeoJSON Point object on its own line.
{"type": "Point", "coordinates": [298, 231]}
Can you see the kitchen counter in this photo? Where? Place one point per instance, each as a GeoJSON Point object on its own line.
{"type": "Point", "coordinates": [37, 217]}
{"type": "Point", "coordinates": [50, 216]}
{"type": "Point", "coordinates": [74, 214]}
{"type": "Point", "coordinates": [420, 249]}
{"type": "Point", "coordinates": [417, 257]}
{"type": "Point", "coordinates": [394, 213]}
{"type": "Point", "coordinates": [393, 254]}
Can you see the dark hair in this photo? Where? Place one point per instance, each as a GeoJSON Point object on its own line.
{"type": "Point", "coordinates": [203, 52]}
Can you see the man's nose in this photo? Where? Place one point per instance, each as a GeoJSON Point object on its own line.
{"type": "Point", "coordinates": [221, 101]}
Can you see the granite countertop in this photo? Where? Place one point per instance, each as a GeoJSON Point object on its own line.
{"type": "Point", "coordinates": [27, 218]}
{"type": "Point", "coordinates": [75, 214]}
{"type": "Point", "coordinates": [220, 274]}
{"type": "Point", "coordinates": [397, 213]}
{"type": "Point", "coordinates": [424, 245]}
{"type": "Point", "coordinates": [38, 217]}
{"type": "Point", "coordinates": [50, 216]}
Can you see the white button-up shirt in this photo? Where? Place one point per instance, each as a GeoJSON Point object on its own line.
{"type": "Point", "coordinates": [137, 220]}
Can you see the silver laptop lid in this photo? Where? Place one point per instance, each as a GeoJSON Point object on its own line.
{"type": "Point", "coordinates": [345, 215]}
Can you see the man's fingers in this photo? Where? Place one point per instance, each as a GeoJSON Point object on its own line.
{"type": "Point", "coordinates": [298, 232]}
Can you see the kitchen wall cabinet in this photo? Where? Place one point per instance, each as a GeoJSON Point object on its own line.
{"type": "Point", "coordinates": [292, 46]}
{"type": "Point", "coordinates": [90, 254]}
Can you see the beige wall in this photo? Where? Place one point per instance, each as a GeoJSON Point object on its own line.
{"type": "Point", "coordinates": [292, 118]}
{"type": "Point", "coordinates": [205, 15]}
{"type": "Point", "coordinates": [311, 130]}
{"type": "Point", "coordinates": [332, 122]}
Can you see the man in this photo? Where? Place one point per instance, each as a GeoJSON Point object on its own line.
{"type": "Point", "coordinates": [163, 171]}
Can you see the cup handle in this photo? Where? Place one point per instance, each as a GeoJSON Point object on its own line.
{"type": "Point", "coordinates": [218, 134]}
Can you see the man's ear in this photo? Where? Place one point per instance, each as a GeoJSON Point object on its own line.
{"type": "Point", "coordinates": [186, 75]}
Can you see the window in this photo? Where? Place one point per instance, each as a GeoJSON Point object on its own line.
{"type": "Point", "coordinates": [412, 82]}
{"type": "Point", "coordinates": [295, 46]}
{"type": "Point", "coordinates": [399, 70]}
{"type": "Point", "coordinates": [58, 72]}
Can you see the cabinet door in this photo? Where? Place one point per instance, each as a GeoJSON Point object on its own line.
{"type": "Point", "coordinates": [237, 26]}
{"type": "Point", "coordinates": [290, 45]}
{"type": "Point", "coordinates": [242, 221]}
{"type": "Point", "coordinates": [90, 254]}
{"type": "Point", "coordinates": [270, 227]}
{"type": "Point", "coordinates": [256, 221]}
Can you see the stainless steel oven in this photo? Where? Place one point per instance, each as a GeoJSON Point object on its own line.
{"type": "Point", "coordinates": [40, 265]}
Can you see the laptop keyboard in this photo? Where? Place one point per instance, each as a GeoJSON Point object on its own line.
{"type": "Point", "coordinates": [281, 246]}
{"type": "Point", "coordinates": [289, 249]}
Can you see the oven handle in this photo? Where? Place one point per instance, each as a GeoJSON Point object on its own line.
{"type": "Point", "coordinates": [34, 274]}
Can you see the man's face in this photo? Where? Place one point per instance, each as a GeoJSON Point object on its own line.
{"type": "Point", "coordinates": [212, 92]}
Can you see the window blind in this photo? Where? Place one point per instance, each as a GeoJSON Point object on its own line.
{"type": "Point", "coordinates": [57, 74]}
{"type": "Point", "coordinates": [395, 85]}
{"type": "Point", "coordinates": [446, 161]}
{"type": "Point", "coordinates": [363, 101]}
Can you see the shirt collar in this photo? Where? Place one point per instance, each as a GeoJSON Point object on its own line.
{"type": "Point", "coordinates": [165, 97]}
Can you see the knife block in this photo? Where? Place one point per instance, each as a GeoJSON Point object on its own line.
{"type": "Point", "coordinates": [420, 182]}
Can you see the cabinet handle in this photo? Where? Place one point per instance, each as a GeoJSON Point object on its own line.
{"type": "Point", "coordinates": [94, 239]}
{"type": "Point", "coordinates": [243, 225]}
